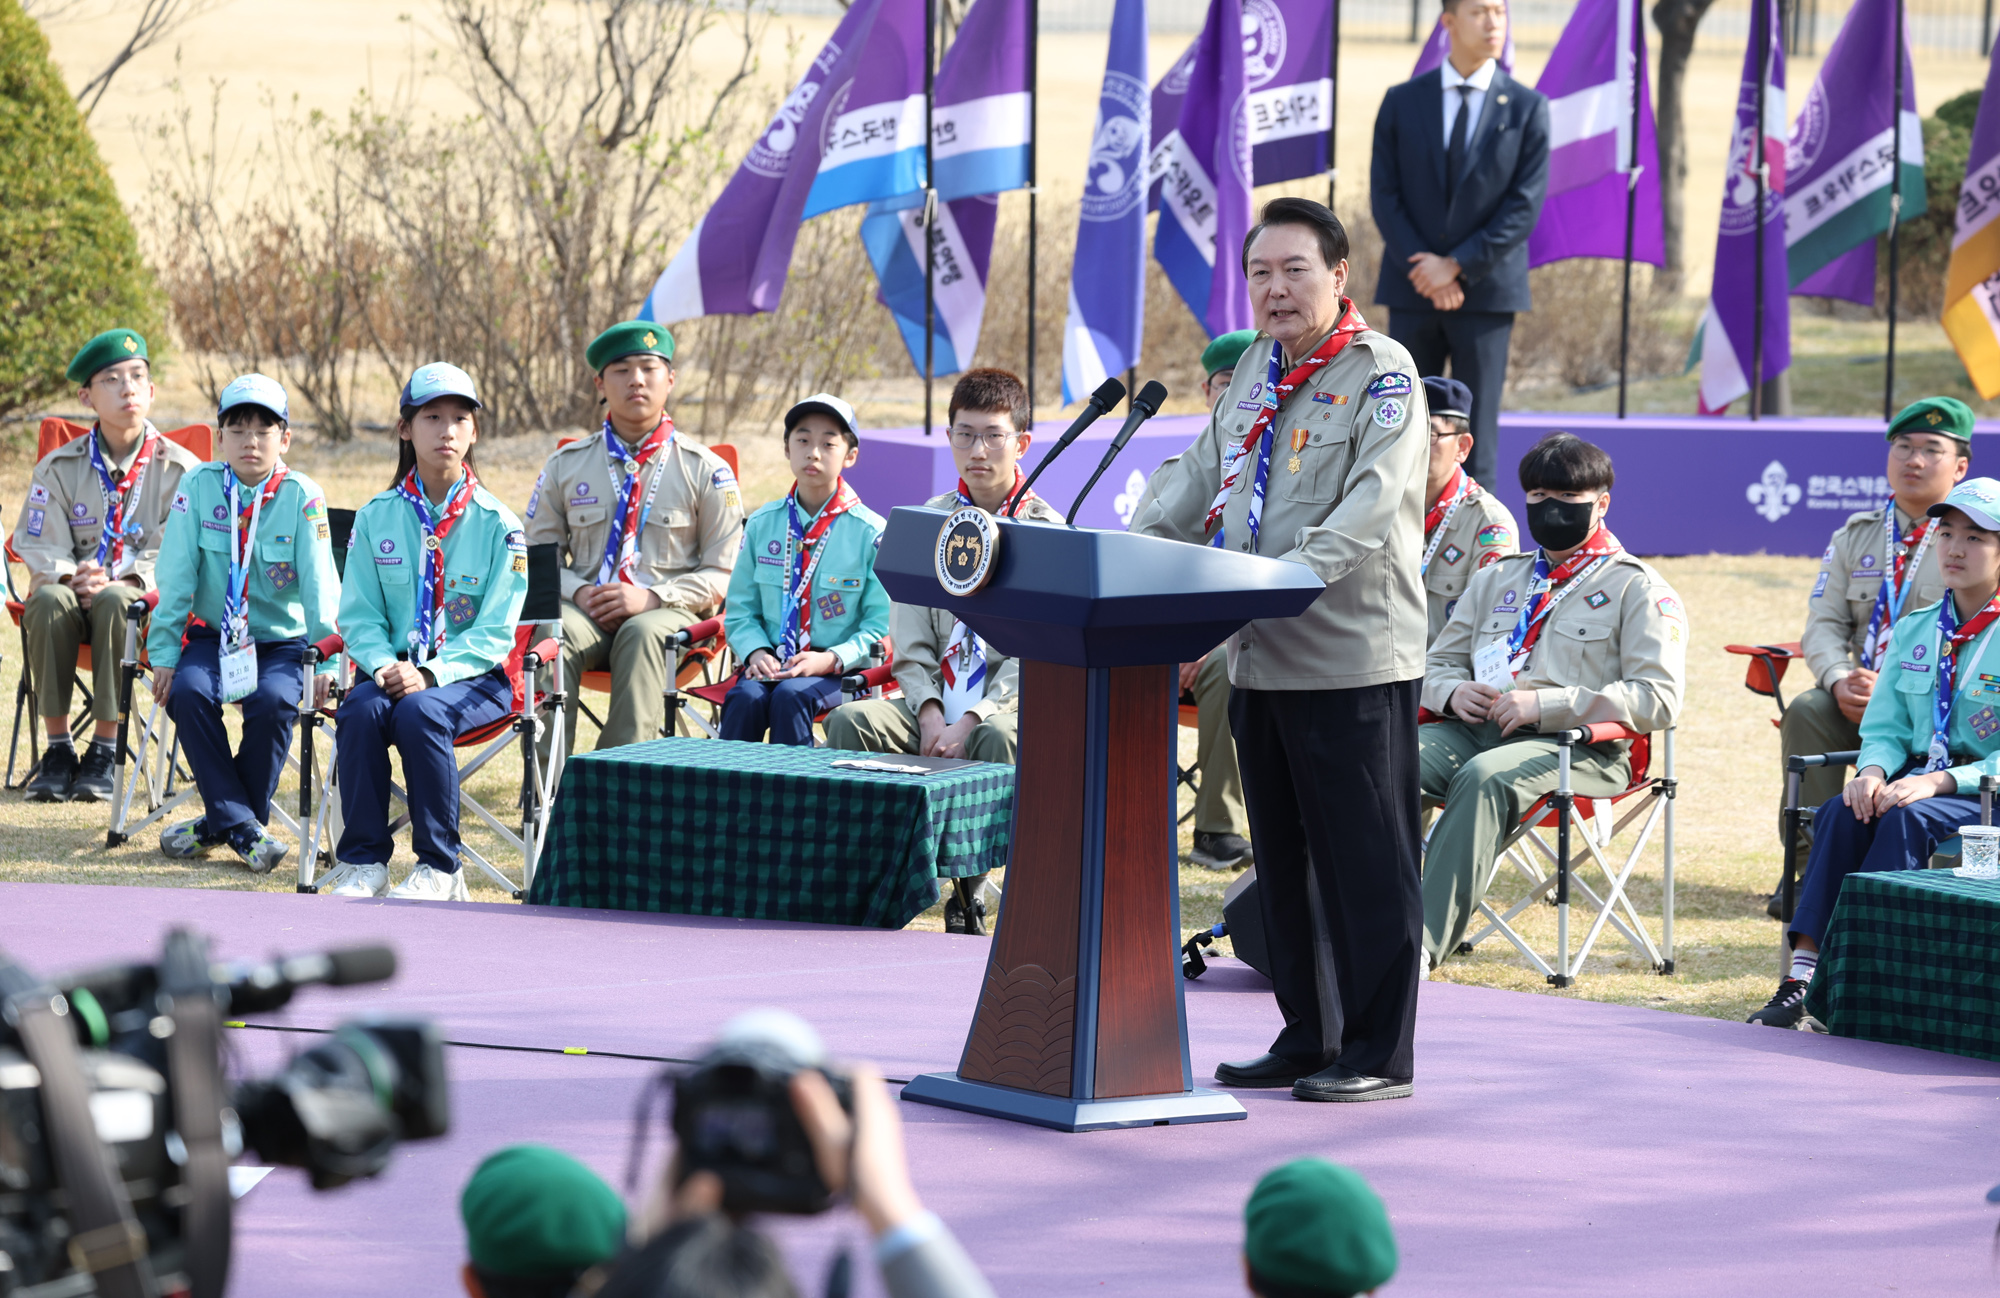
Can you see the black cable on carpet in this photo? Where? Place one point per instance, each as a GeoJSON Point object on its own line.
{"type": "Point", "coordinates": [525, 1050]}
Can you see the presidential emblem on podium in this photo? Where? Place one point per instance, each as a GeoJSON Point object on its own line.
{"type": "Point", "coordinates": [967, 544]}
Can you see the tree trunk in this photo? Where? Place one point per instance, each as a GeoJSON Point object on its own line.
{"type": "Point", "coordinates": [1676, 20]}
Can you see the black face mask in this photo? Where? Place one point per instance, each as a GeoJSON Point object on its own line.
{"type": "Point", "coordinates": [1560, 524]}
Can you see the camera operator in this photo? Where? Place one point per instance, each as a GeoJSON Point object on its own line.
{"type": "Point", "coordinates": [703, 1253]}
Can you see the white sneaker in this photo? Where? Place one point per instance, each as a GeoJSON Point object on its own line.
{"type": "Point", "coordinates": [426, 884]}
{"type": "Point", "coordinates": [356, 879]}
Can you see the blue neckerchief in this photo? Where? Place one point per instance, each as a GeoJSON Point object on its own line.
{"type": "Point", "coordinates": [1273, 377]}
{"type": "Point", "coordinates": [108, 532]}
{"type": "Point", "coordinates": [427, 637]}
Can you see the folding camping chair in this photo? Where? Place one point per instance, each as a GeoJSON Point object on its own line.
{"type": "Point", "coordinates": [1765, 673]}
{"type": "Point", "coordinates": [877, 680]}
{"type": "Point", "coordinates": [1595, 823]}
{"type": "Point", "coordinates": [537, 711]}
{"type": "Point", "coordinates": [198, 439]}
{"type": "Point", "coordinates": [1189, 716]}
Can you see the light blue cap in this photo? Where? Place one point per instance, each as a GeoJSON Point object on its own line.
{"type": "Point", "coordinates": [438, 379]}
{"type": "Point", "coordinates": [254, 390]}
{"type": "Point", "coordinates": [1977, 498]}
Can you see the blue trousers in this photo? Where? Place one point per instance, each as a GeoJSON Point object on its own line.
{"type": "Point", "coordinates": [1901, 840]}
{"type": "Point", "coordinates": [422, 727]}
{"type": "Point", "coordinates": [236, 789]}
{"type": "Point", "coordinates": [785, 707]}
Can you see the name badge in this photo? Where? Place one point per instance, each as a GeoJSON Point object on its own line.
{"type": "Point", "coordinates": [1489, 665]}
{"type": "Point", "coordinates": [238, 669]}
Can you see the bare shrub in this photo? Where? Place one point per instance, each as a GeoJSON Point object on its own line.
{"type": "Point", "coordinates": [1571, 337]}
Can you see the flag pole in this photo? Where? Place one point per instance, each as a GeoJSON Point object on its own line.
{"type": "Point", "coordinates": [930, 210]}
{"type": "Point", "coordinates": [1760, 23]}
{"type": "Point", "coordinates": [1034, 131]}
{"type": "Point", "coordinates": [1895, 217]}
{"type": "Point", "coordinates": [1631, 207]}
{"type": "Point", "coordinates": [1333, 105]}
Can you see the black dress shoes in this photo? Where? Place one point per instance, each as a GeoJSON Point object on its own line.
{"type": "Point", "coordinates": [1341, 1085]}
{"type": "Point", "coordinates": [1270, 1071]}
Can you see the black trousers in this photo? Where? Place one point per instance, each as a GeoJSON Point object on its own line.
{"type": "Point", "coordinates": [1476, 344]}
{"type": "Point", "coordinates": [1330, 781]}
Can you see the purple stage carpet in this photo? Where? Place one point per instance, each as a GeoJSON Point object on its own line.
{"type": "Point", "coordinates": [1553, 1146]}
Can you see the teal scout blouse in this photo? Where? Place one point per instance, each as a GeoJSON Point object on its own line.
{"type": "Point", "coordinates": [1897, 724]}
{"type": "Point", "coordinates": [486, 581]}
{"type": "Point", "coordinates": [850, 607]}
{"type": "Point", "coordinates": [293, 588]}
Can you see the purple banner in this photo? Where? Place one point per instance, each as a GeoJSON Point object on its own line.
{"type": "Point", "coordinates": [1589, 83]}
{"type": "Point", "coordinates": [1793, 481]}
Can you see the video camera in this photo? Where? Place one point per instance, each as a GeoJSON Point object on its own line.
{"type": "Point", "coordinates": [117, 1127]}
{"type": "Point", "coordinates": [733, 1115]}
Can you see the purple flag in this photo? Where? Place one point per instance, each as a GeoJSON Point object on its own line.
{"type": "Point", "coordinates": [1438, 48]}
{"type": "Point", "coordinates": [1288, 68]}
{"type": "Point", "coordinates": [736, 259]}
{"type": "Point", "coordinates": [1590, 81]}
{"type": "Point", "coordinates": [1205, 180]}
{"type": "Point", "coordinates": [1727, 342]}
{"type": "Point", "coordinates": [1838, 163]}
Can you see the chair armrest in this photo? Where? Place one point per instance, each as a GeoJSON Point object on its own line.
{"type": "Point", "coordinates": [321, 650]}
{"type": "Point", "coordinates": [143, 605]}
{"type": "Point", "coordinates": [1598, 732]}
{"type": "Point", "coordinates": [1806, 761]}
{"type": "Point", "coordinates": [1789, 649]}
{"type": "Point", "coordinates": [544, 651]}
{"type": "Point", "coordinates": [1425, 716]}
{"type": "Point", "coordinates": [706, 629]}
{"type": "Point", "coordinates": [871, 678]}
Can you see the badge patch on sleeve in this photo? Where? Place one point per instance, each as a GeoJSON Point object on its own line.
{"type": "Point", "coordinates": [1819, 587]}
{"type": "Point", "coordinates": [1597, 599]}
{"type": "Point", "coordinates": [517, 541]}
{"type": "Point", "coordinates": [38, 495]}
{"type": "Point", "coordinates": [315, 510]}
{"type": "Point", "coordinates": [1671, 607]}
{"type": "Point", "coordinates": [831, 605]}
{"type": "Point", "coordinates": [1390, 385]}
{"type": "Point", "coordinates": [35, 517]}
{"type": "Point", "coordinates": [535, 496]}
{"type": "Point", "coordinates": [1491, 556]}
{"type": "Point", "coordinates": [180, 505]}
{"type": "Point", "coordinates": [1389, 412]}
{"type": "Point", "coordinates": [460, 610]}
{"type": "Point", "coordinates": [1495, 534]}
{"type": "Point", "coordinates": [722, 479]}
{"type": "Point", "coordinates": [1452, 554]}
{"type": "Point", "coordinates": [281, 575]}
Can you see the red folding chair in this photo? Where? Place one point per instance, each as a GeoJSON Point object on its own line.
{"type": "Point", "coordinates": [1765, 673]}
{"type": "Point", "coordinates": [1596, 823]}
{"type": "Point", "coordinates": [877, 680]}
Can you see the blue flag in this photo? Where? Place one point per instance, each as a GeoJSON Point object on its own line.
{"type": "Point", "coordinates": [1107, 287]}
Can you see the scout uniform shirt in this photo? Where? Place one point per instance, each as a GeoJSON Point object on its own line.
{"type": "Point", "coordinates": [1352, 511]}
{"type": "Point", "coordinates": [486, 581]}
{"type": "Point", "coordinates": [1615, 649]}
{"type": "Point", "coordinates": [1478, 533]}
{"type": "Point", "coordinates": [293, 592]}
{"type": "Point", "coordinates": [850, 609]}
{"type": "Point", "coordinates": [64, 518]}
{"type": "Point", "coordinates": [1901, 712]}
{"type": "Point", "coordinates": [1843, 596]}
{"type": "Point", "coordinates": [689, 542]}
{"type": "Point", "coordinates": [920, 635]}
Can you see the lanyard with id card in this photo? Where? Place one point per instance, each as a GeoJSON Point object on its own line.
{"type": "Point", "coordinates": [237, 665]}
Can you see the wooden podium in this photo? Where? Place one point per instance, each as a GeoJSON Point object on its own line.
{"type": "Point", "coordinates": [1081, 1024]}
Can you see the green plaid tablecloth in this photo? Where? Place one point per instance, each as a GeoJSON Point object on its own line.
{"type": "Point", "coordinates": [769, 831]}
{"type": "Point", "coordinates": [1913, 957]}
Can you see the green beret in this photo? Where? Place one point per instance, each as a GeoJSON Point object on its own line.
{"type": "Point", "coordinates": [1224, 352]}
{"type": "Point", "coordinates": [1946, 416]}
{"type": "Point", "coordinates": [531, 1211]}
{"type": "Point", "coordinates": [107, 349]}
{"type": "Point", "coordinates": [1313, 1225]}
{"type": "Point", "coordinates": [629, 338]}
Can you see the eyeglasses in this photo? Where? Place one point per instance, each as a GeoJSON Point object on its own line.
{"type": "Point", "coordinates": [965, 439]}
{"type": "Point", "coordinates": [1906, 450]}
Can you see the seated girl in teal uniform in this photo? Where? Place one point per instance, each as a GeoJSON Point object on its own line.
{"type": "Point", "coordinates": [1931, 730]}
{"type": "Point", "coordinates": [436, 574]}
{"type": "Point", "coordinates": [246, 581]}
{"type": "Point", "coordinates": [806, 578]}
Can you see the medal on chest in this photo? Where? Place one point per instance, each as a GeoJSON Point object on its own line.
{"type": "Point", "coordinates": [1298, 444]}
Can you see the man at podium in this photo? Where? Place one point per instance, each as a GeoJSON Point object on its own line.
{"type": "Point", "coordinates": [1316, 454]}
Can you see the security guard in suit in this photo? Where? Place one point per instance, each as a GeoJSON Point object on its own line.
{"type": "Point", "coordinates": [1465, 526]}
{"type": "Point", "coordinates": [1576, 631]}
{"type": "Point", "coordinates": [649, 522]}
{"type": "Point", "coordinates": [1880, 564]}
{"type": "Point", "coordinates": [89, 535]}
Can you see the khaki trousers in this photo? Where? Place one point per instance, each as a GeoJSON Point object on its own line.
{"type": "Point", "coordinates": [890, 726]}
{"type": "Point", "coordinates": [1218, 798]}
{"type": "Point", "coordinates": [56, 626]}
{"type": "Point", "coordinates": [1486, 783]}
{"type": "Point", "coordinates": [642, 659]}
{"type": "Point", "coordinates": [1814, 723]}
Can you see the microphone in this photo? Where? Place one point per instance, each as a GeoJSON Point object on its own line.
{"type": "Point", "coordinates": [1144, 407]}
{"type": "Point", "coordinates": [256, 987]}
{"type": "Point", "coordinates": [1109, 393]}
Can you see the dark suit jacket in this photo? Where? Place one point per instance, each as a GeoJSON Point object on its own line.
{"type": "Point", "coordinates": [1494, 207]}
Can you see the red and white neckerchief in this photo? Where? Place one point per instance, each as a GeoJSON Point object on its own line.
{"type": "Point", "coordinates": [117, 550]}
{"type": "Point", "coordinates": [1903, 555]}
{"type": "Point", "coordinates": [803, 552]}
{"type": "Point", "coordinates": [427, 636]}
{"type": "Point", "coordinates": [1274, 391]}
{"type": "Point", "coordinates": [964, 665]}
{"type": "Point", "coordinates": [1437, 520]}
{"type": "Point", "coordinates": [1550, 588]}
{"type": "Point", "coordinates": [628, 517]}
